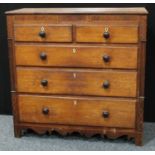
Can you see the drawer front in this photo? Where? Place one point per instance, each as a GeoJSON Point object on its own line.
{"type": "Point", "coordinates": [77, 111]}
{"type": "Point", "coordinates": [54, 33]}
{"type": "Point", "coordinates": [76, 56]}
{"type": "Point", "coordinates": [110, 34]}
{"type": "Point", "coordinates": [77, 82]}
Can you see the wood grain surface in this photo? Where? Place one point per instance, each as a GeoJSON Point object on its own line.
{"type": "Point", "coordinates": [54, 33]}
{"type": "Point", "coordinates": [118, 34]}
{"type": "Point", "coordinates": [77, 82]}
{"type": "Point", "coordinates": [77, 111]}
{"type": "Point", "coordinates": [76, 56]}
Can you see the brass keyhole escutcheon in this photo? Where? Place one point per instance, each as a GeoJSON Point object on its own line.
{"type": "Point", "coordinates": [75, 102]}
{"type": "Point", "coordinates": [74, 50]}
{"type": "Point", "coordinates": [42, 29]}
{"type": "Point", "coordinates": [106, 29]}
{"type": "Point", "coordinates": [74, 75]}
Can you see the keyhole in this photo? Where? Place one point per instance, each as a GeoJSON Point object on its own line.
{"type": "Point", "coordinates": [42, 29]}
{"type": "Point", "coordinates": [74, 50]}
{"type": "Point", "coordinates": [106, 29]}
{"type": "Point", "coordinates": [74, 75]}
{"type": "Point", "coordinates": [75, 102]}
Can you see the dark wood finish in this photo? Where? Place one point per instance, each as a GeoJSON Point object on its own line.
{"type": "Point", "coordinates": [58, 73]}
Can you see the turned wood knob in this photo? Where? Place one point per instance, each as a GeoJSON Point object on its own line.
{"type": "Point", "coordinates": [105, 114]}
{"type": "Point", "coordinates": [43, 56]}
{"type": "Point", "coordinates": [45, 111]}
{"type": "Point", "coordinates": [106, 84]}
{"type": "Point", "coordinates": [106, 58]}
{"type": "Point", "coordinates": [44, 82]}
{"type": "Point", "coordinates": [106, 35]}
{"type": "Point", "coordinates": [42, 34]}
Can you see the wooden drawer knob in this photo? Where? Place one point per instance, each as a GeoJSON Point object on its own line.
{"type": "Point", "coordinates": [105, 114]}
{"type": "Point", "coordinates": [106, 58]}
{"type": "Point", "coordinates": [45, 111]}
{"type": "Point", "coordinates": [44, 83]}
{"type": "Point", "coordinates": [42, 34]}
{"type": "Point", "coordinates": [43, 56]}
{"type": "Point", "coordinates": [106, 35]}
{"type": "Point", "coordinates": [106, 84]}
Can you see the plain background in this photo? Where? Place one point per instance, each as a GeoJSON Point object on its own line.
{"type": "Point", "coordinates": [5, 98]}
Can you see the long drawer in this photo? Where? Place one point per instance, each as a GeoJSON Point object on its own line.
{"type": "Point", "coordinates": [77, 82]}
{"type": "Point", "coordinates": [76, 56]}
{"type": "Point", "coordinates": [77, 111]}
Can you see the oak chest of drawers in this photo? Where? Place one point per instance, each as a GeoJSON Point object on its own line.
{"type": "Point", "coordinates": [78, 70]}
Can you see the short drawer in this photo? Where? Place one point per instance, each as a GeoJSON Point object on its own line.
{"type": "Point", "coordinates": [77, 82]}
{"type": "Point", "coordinates": [76, 56]}
{"type": "Point", "coordinates": [48, 33]}
{"type": "Point", "coordinates": [107, 34]}
{"type": "Point", "coordinates": [77, 111]}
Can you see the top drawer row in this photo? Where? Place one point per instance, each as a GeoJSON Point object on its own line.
{"type": "Point", "coordinates": [77, 33]}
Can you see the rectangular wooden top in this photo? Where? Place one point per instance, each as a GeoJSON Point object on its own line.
{"type": "Point", "coordinates": [138, 10]}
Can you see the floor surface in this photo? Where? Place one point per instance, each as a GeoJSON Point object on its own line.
{"type": "Point", "coordinates": [34, 142]}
